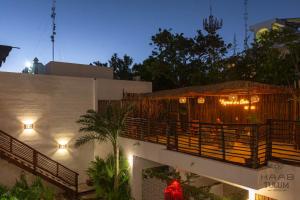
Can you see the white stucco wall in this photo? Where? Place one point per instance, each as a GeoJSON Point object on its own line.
{"type": "Point", "coordinates": [52, 104]}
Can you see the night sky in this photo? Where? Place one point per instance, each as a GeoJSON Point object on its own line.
{"type": "Point", "coordinates": [89, 30]}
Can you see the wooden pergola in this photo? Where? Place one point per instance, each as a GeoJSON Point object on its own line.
{"type": "Point", "coordinates": [246, 102]}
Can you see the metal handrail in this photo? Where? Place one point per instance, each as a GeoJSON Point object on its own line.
{"type": "Point", "coordinates": [17, 149]}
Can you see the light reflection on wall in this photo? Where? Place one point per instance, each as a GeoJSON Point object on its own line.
{"type": "Point", "coordinates": [62, 148]}
{"type": "Point", "coordinates": [251, 194]}
{"type": "Point", "coordinates": [28, 126]}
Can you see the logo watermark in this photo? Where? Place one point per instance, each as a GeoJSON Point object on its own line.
{"type": "Point", "coordinates": [277, 179]}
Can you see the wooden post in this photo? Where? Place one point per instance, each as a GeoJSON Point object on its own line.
{"type": "Point", "coordinates": [10, 144]}
{"type": "Point", "coordinates": [34, 160]}
{"type": "Point", "coordinates": [254, 146]}
{"type": "Point", "coordinates": [76, 183]}
{"type": "Point", "coordinates": [57, 169]}
{"type": "Point", "coordinates": [176, 138]}
{"type": "Point", "coordinates": [199, 139]}
{"type": "Point", "coordinates": [168, 134]}
{"type": "Point", "coordinates": [269, 141]}
{"type": "Point", "coordinates": [148, 128]}
{"type": "Point", "coordinates": [223, 142]}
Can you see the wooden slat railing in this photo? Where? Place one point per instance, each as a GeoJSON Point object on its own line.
{"type": "Point", "coordinates": [284, 141]}
{"type": "Point", "coordinates": [37, 163]}
{"type": "Point", "coordinates": [250, 145]}
{"type": "Point", "coordinates": [242, 144]}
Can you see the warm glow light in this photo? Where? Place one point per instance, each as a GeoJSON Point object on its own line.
{"type": "Point", "coordinates": [201, 100]}
{"type": "Point", "coordinates": [254, 99]}
{"type": "Point", "coordinates": [251, 107]}
{"type": "Point", "coordinates": [233, 100]}
{"type": "Point", "coordinates": [28, 126]}
{"type": "Point", "coordinates": [251, 194]}
{"type": "Point", "coordinates": [182, 100]}
{"type": "Point", "coordinates": [63, 143]}
{"type": "Point", "coordinates": [62, 146]}
{"type": "Point", "coordinates": [130, 160]}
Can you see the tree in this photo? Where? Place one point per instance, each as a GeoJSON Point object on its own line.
{"type": "Point", "coordinates": [273, 59]}
{"type": "Point", "coordinates": [99, 64]}
{"type": "Point", "coordinates": [121, 66]}
{"type": "Point", "coordinates": [104, 127]}
{"type": "Point", "coordinates": [180, 61]}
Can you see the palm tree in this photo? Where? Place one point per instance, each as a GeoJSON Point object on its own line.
{"type": "Point", "coordinates": [104, 127]}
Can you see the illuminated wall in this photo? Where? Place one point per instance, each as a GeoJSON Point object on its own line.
{"type": "Point", "coordinates": [52, 105]}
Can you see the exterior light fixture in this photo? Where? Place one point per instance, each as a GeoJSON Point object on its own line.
{"type": "Point", "coordinates": [130, 160]}
{"type": "Point", "coordinates": [251, 107]}
{"type": "Point", "coordinates": [182, 100]}
{"type": "Point", "coordinates": [62, 146]}
{"type": "Point", "coordinates": [28, 126]}
{"type": "Point", "coordinates": [201, 100]}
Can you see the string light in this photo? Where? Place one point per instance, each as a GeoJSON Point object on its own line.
{"type": "Point", "coordinates": [200, 100]}
{"type": "Point", "coordinates": [182, 100]}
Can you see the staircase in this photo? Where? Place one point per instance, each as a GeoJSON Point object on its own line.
{"type": "Point", "coordinates": [29, 159]}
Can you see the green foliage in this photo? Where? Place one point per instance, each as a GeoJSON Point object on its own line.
{"type": "Point", "coordinates": [103, 126]}
{"type": "Point", "coordinates": [190, 191]}
{"type": "Point", "coordinates": [121, 66]}
{"type": "Point", "coordinates": [179, 61]}
{"type": "Point", "coordinates": [273, 59]}
{"type": "Point", "coordinates": [25, 191]}
{"type": "Point", "coordinates": [101, 173]}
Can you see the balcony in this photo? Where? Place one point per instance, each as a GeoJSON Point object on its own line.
{"type": "Point", "coordinates": [248, 145]}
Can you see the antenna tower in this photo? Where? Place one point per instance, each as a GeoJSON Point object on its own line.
{"type": "Point", "coordinates": [246, 24]}
{"type": "Point", "coordinates": [53, 15]}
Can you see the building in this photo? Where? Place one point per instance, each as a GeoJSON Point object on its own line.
{"type": "Point", "coordinates": [292, 24]}
{"type": "Point", "coordinates": [204, 130]}
{"type": "Point", "coordinates": [38, 120]}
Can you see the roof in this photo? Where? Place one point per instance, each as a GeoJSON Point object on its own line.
{"type": "Point", "coordinates": [225, 88]}
{"type": "Point", "coordinates": [4, 51]}
{"type": "Point", "coordinates": [78, 70]}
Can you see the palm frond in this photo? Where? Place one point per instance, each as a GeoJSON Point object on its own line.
{"type": "Point", "coordinates": [87, 138]}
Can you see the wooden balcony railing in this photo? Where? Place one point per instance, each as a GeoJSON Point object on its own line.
{"type": "Point", "coordinates": [284, 141]}
{"type": "Point", "coordinates": [242, 144]}
{"type": "Point", "coordinates": [37, 163]}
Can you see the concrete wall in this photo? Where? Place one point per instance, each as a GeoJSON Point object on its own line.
{"type": "Point", "coordinates": [52, 104]}
{"type": "Point", "coordinates": [78, 70]}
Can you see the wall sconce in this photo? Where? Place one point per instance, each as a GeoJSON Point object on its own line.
{"type": "Point", "coordinates": [182, 100]}
{"type": "Point", "coordinates": [62, 146]}
{"type": "Point", "coordinates": [28, 126]}
{"type": "Point", "coordinates": [201, 100]}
